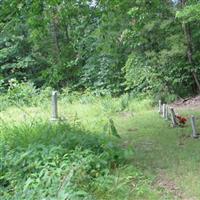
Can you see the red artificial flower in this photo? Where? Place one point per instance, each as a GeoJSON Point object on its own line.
{"type": "Point", "coordinates": [182, 120]}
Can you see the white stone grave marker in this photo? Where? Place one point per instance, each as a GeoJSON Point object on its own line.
{"type": "Point", "coordinates": [164, 111]}
{"type": "Point", "coordinates": [160, 107]}
{"type": "Point", "coordinates": [194, 130]}
{"type": "Point", "coordinates": [54, 104]}
{"type": "Point", "coordinates": [173, 117]}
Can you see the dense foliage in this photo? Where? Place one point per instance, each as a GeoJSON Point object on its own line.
{"type": "Point", "coordinates": [54, 162]}
{"type": "Point", "coordinates": [105, 46]}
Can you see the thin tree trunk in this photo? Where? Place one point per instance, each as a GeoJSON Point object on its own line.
{"type": "Point", "coordinates": [188, 36]}
{"type": "Point", "coordinates": [55, 37]}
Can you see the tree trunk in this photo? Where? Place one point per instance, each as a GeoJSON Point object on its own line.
{"type": "Point", "coordinates": [188, 37]}
{"type": "Point", "coordinates": [55, 37]}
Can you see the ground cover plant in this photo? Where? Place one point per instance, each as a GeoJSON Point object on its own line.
{"type": "Point", "coordinates": [83, 157]}
{"type": "Point", "coordinates": [79, 157]}
{"type": "Point", "coordinates": [53, 162]}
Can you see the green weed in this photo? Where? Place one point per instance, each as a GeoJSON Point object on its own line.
{"type": "Point", "coordinates": [87, 154]}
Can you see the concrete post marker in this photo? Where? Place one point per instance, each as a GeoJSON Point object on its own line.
{"type": "Point", "coordinates": [168, 113]}
{"type": "Point", "coordinates": [54, 106]}
{"type": "Point", "coordinates": [164, 111]}
{"type": "Point", "coordinates": [194, 130]}
{"type": "Point", "coordinates": [160, 107]}
{"type": "Point", "coordinates": [173, 117]}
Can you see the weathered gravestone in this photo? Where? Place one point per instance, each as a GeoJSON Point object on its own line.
{"type": "Point", "coordinates": [164, 111]}
{"type": "Point", "coordinates": [160, 107]}
{"type": "Point", "coordinates": [54, 106]}
{"type": "Point", "coordinates": [173, 118]}
{"type": "Point", "coordinates": [194, 130]}
{"type": "Point", "coordinates": [168, 113]}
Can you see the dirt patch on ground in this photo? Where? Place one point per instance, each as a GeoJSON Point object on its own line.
{"type": "Point", "coordinates": [170, 186]}
{"type": "Point", "coordinates": [187, 103]}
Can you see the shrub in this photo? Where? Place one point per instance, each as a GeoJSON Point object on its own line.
{"type": "Point", "coordinates": [22, 93]}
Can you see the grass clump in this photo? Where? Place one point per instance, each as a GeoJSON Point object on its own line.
{"type": "Point", "coordinates": [82, 156]}
{"type": "Point", "coordinates": [55, 161]}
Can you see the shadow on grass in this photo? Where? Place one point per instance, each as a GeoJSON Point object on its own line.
{"type": "Point", "coordinates": [43, 159]}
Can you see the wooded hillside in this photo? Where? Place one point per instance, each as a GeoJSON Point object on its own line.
{"type": "Point", "coordinates": [104, 46]}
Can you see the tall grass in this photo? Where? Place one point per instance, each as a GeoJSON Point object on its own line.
{"type": "Point", "coordinates": [77, 157]}
{"type": "Point", "coordinates": [55, 161]}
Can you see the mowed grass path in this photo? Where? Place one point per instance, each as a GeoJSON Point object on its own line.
{"type": "Point", "coordinates": [168, 158]}
{"type": "Point", "coordinates": [168, 154]}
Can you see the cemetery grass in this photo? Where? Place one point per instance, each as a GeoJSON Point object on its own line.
{"type": "Point", "coordinates": [168, 154]}
{"type": "Point", "coordinates": [77, 158]}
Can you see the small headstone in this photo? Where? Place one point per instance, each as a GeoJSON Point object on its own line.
{"type": "Point", "coordinates": [164, 111]}
{"type": "Point", "coordinates": [160, 106]}
{"type": "Point", "coordinates": [173, 117]}
{"type": "Point", "coordinates": [194, 130]}
{"type": "Point", "coordinates": [169, 113]}
{"type": "Point", "coordinates": [54, 104]}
